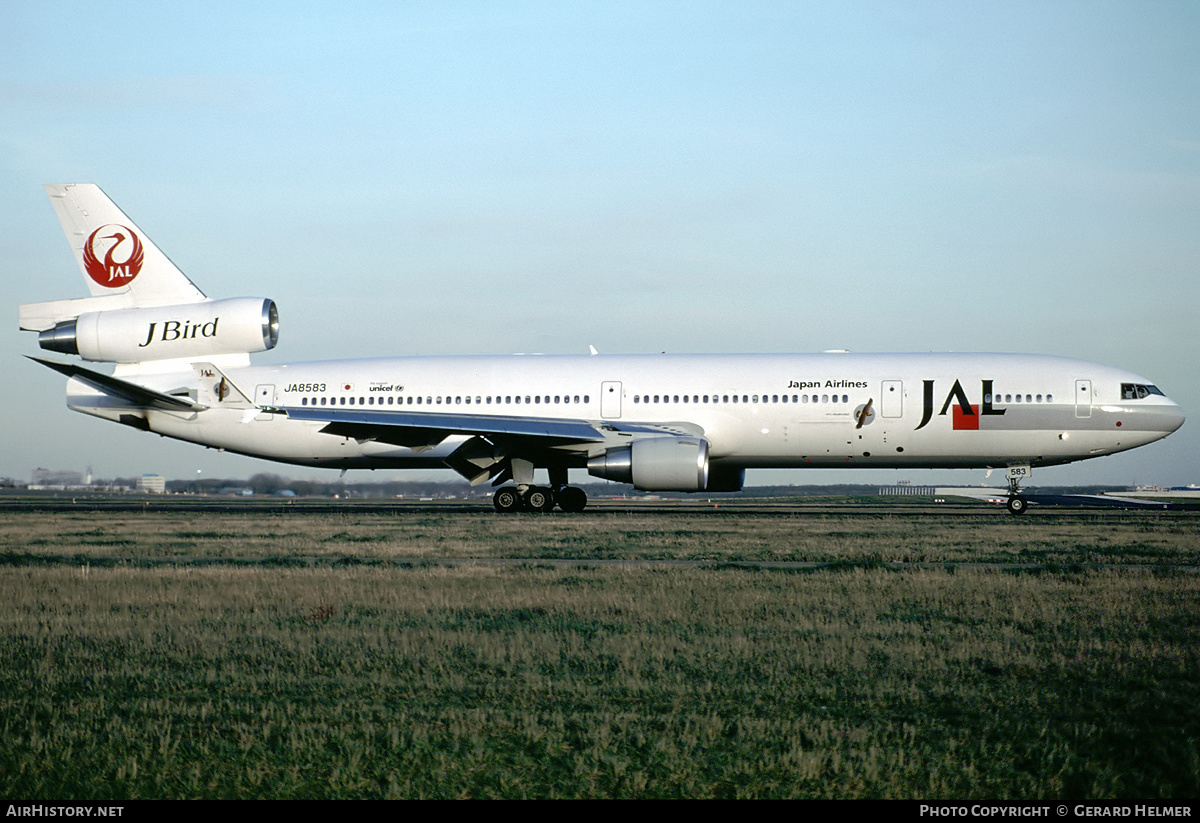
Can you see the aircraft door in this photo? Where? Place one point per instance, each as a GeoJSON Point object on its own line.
{"type": "Point", "coordinates": [891, 399]}
{"type": "Point", "coordinates": [264, 395]}
{"type": "Point", "coordinates": [1083, 398]}
{"type": "Point", "coordinates": [610, 399]}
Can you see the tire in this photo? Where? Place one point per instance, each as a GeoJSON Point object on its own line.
{"type": "Point", "coordinates": [538, 499]}
{"type": "Point", "coordinates": [507, 500]}
{"type": "Point", "coordinates": [571, 499]}
{"type": "Point", "coordinates": [1017, 504]}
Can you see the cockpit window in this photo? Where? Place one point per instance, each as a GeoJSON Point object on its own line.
{"type": "Point", "coordinates": [1136, 391]}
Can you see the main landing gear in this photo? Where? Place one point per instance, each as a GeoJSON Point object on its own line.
{"type": "Point", "coordinates": [1017, 504]}
{"type": "Point", "coordinates": [508, 499]}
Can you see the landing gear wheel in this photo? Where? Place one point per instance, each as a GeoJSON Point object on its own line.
{"type": "Point", "coordinates": [538, 499]}
{"type": "Point", "coordinates": [1017, 504]}
{"type": "Point", "coordinates": [571, 499]}
{"type": "Point", "coordinates": [507, 500]}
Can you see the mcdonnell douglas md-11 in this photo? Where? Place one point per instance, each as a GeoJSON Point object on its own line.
{"type": "Point", "coordinates": [662, 422]}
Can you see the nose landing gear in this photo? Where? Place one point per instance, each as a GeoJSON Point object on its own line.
{"type": "Point", "coordinates": [1017, 504]}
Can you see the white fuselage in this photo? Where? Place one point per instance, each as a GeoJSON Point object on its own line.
{"type": "Point", "coordinates": [755, 411]}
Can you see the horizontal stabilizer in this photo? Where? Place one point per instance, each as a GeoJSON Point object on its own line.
{"type": "Point", "coordinates": [130, 392]}
{"type": "Point", "coordinates": [43, 316]}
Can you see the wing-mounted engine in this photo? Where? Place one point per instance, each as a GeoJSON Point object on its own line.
{"type": "Point", "coordinates": [240, 325]}
{"type": "Point", "coordinates": [656, 464]}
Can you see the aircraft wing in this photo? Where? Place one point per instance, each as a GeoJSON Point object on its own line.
{"type": "Point", "coordinates": [426, 429]}
{"type": "Point", "coordinates": [131, 393]}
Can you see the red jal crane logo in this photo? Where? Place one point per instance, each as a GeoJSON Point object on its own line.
{"type": "Point", "coordinates": [113, 273]}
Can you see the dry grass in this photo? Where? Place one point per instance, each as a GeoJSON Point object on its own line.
{"type": "Point", "coordinates": [347, 679]}
{"type": "Point", "coordinates": [687, 535]}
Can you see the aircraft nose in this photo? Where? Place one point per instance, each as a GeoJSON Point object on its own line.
{"type": "Point", "coordinates": [1164, 418]}
{"type": "Point", "coordinates": [1174, 418]}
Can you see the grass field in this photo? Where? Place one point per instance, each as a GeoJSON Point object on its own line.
{"type": "Point", "coordinates": [316, 654]}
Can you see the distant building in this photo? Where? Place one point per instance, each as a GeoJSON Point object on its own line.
{"type": "Point", "coordinates": [906, 488]}
{"type": "Point", "coordinates": [152, 484]}
{"type": "Point", "coordinates": [52, 479]}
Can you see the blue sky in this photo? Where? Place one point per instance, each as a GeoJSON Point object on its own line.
{"type": "Point", "coordinates": [420, 178]}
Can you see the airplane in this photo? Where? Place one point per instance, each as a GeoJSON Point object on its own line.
{"type": "Point", "coordinates": [662, 422]}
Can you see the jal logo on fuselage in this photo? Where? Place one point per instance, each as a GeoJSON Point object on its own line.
{"type": "Point", "coordinates": [965, 415]}
{"type": "Point", "coordinates": [123, 255]}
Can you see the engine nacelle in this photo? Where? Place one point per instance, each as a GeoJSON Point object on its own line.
{"type": "Point", "coordinates": [239, 325]}
{"type": "Point", "coordinates": [656, 464]}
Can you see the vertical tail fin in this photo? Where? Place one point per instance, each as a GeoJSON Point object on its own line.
{"type": "Point", "coordinates": [142, 310]}
{"type": "Point", "coordinates": [115, 256]}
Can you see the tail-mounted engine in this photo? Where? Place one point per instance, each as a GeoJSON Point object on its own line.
{"type": "Point", "coordinates": [656, 464]}
{"type": "Point", "coordinates": [190, 330]}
